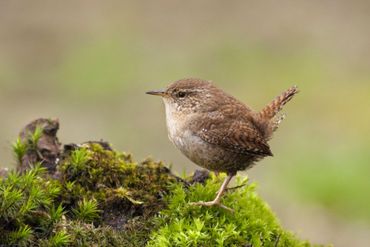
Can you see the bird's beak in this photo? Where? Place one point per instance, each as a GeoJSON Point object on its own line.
{"type": "Point", "coordinates": [157, 92]}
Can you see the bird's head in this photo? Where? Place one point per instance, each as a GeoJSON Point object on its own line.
{"type": "Point", "coordinates": [189, 95]}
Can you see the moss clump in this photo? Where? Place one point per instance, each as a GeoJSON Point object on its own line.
{"type": "Point", "coordinates": [97, 196]}
{"type": "Point", "coordinates": [77, 233]}
{"type": "Point", "coordinates": [139, 205]}
{"type": "Point", "coordinates": [252, 224]}
{"type": "Point", "coordinates": [122, 188]}
{"type": "Point", "coordinates": [26, 207]}
{"type": "Point", "coordinates": [91, 195]}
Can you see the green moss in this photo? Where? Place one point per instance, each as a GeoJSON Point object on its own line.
{"type": "Point", "coordinates": [97, 196]}
{"type": "Point", "coordinates": [25, 206]}
{"type": "Point", "coordinates": [87, 210]}
{"type": "Point", "coordinates": [35, 136]}
{"type": "Point", "coordinates": [252, 224]}
{"type": "Point", "coordinates": [100, 197]}
{"type": "Point", "coordinates": [77, 233]}
{"type": "Point", "coordinates": [19, 149]}
{"type": "Point", "coordinates": [114, 180]}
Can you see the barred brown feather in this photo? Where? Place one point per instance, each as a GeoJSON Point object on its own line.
{"type": "Point", "coordinates": [268, 118]}
{"type": "Point", "coordinates": [277, 104]}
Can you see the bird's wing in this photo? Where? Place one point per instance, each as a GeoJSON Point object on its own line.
{"type": "Point", "coordinates": [237, 135]}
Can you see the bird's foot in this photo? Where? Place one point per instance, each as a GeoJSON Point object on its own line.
{"type": "Point", "coordinates": [211, 204]}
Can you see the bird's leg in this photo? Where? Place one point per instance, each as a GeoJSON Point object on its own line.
{"type": "Point", "coordinates": [217, 200]}
{"type": "Point", "coordinates": [233, 188]}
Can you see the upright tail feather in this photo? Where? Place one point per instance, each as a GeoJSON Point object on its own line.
{"type": "Point", "coordinates": [269, 117]}
{"type": "Point", "coordinates": [269, 111]}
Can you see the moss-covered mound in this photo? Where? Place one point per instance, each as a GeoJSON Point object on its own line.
{"type": "Point", "coordinates": [122, 188]}
{"type": "Point", "coordinates": [95, 196]}
{"type": "Point", "coordinates": [252, 223]}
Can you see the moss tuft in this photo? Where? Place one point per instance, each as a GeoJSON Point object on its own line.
{"type": "Point", "coordinates": [25, 206]}
{"type": "Point", "coordinates": [252, 223]}
{"type": "Point", "coordinates": [122, 188]}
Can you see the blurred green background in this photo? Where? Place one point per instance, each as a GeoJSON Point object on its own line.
{"type": "Point", "coordinates": [90, 62]}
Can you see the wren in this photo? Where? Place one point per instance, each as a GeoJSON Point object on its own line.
{"type": "Point", "coordinates": [216, 131]}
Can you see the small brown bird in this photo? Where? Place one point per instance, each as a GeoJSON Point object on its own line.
{"type": "Point", "coordinates": [217, 131]}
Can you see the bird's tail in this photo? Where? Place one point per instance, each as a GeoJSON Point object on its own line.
{"type": "Point", "coordinates": [269, 113]}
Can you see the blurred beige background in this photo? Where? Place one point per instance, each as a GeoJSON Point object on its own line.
{"type": "Point", "coordinates": [90, 62]}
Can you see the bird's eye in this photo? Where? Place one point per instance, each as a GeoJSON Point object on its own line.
{"type": "Point", "coordinates": [181, 94]}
